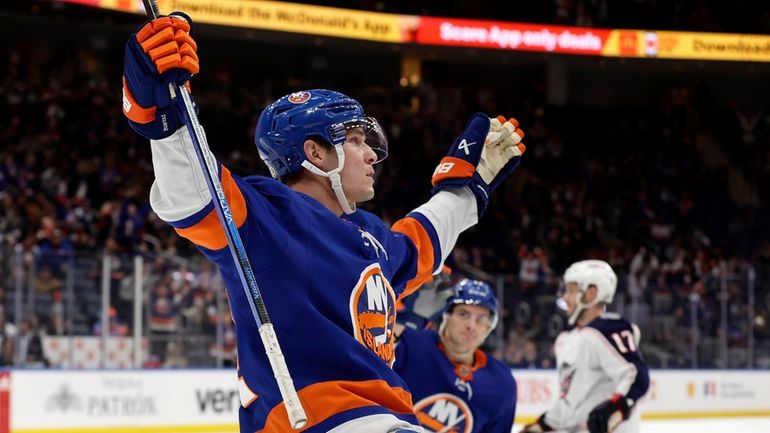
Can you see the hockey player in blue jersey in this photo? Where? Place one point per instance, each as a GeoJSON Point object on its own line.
{"type": "Point", "coordinates": [601, 374]}
{"type": "Point", "coordinates": [455, 386]}
{"type": "Point", "coordinates": [329, 274]}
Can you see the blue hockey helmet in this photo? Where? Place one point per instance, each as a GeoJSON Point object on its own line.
{"type": "Point", "coordinates": [285, 124]}
{"type": "Point", "coordinates": [474, 292]}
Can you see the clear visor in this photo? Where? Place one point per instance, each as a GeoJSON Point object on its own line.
{"type": "Point", "coordinates": [374, 136]}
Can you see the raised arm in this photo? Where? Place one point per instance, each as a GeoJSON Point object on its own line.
{"type": "Point", "coordinates": [159, 57]}
{"type": "Point", "coordinates": [478, 161]}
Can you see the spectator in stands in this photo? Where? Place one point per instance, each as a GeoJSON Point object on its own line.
{"type": "Point", "coordinates": [29, 352]}
{"type": "Point", "coordinates": [642, 271]}
{"type": "Point", "coordinates": [175, 357]}
{"type": "Point", "coordinates": [7, 353]}
{"type": "Point", "coordinates": [116, 326]}
{"type": "Point", "coordinates": [528, 357]}
{"type": "Point", "coordinates": [7, 335]}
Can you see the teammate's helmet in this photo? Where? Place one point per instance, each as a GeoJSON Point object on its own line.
{"type": "Point", "coordinates": [593, 272]}
{"type": "Point", "coordinates": [285, 124]}
{"type": "Point", "coordinates": [474, 292]}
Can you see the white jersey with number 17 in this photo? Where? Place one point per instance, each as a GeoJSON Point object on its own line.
{"type": "Point", "coordinates": [594, 362]}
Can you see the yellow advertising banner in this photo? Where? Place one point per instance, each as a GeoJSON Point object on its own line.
{"type": "Point", "coordinates": [381, 27]}
{"type": "Point", "coordinates": [688, 45]}
{"type": "Point", "coordinates": [285, 17]}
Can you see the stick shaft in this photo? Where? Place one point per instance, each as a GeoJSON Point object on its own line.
{"type": "Point", "coordinates": [181, 97]}
{"type": "Point", "coordinates": [151, 7]}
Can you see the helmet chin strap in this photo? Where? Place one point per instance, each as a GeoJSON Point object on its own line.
{"type": "Point", "coordinates": [335, 179]}
{"type": "Point", "coordinates": [575, 314]}
{"type": "Point", "coordinates": [580, 307]}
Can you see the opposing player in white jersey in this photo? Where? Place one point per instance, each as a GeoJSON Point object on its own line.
{"type": "Point", "coordinates": [601, 374]}
{"type": "Point", "coordinates": [456, 387]}
{"type": "Point", "coordinates": [329, 274]}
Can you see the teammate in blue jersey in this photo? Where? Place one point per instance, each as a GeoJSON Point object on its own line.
{"type": "Point", "coordinates": [601, 374]}
{"type": "Point", "coordinates": [455, 386]}
{"type": "Point", "coordinates": [329, 274]}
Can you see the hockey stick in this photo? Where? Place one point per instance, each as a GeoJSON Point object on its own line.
{"type": "Point", "coordinates": [297, 416]}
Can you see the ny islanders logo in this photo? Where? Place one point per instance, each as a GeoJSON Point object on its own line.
{"type": "Point", "coordinates": [299, 97]}
{"type": "Point", "coordinates": [372, 311]}
{"type": "Point", "coordinates": [445, 413]}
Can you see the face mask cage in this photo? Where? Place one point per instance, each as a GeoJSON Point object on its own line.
{"type": "Point", "coordinates": [374, 136]}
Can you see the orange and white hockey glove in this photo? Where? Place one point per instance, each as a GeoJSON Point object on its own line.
{"type": "Point", "coordinates": [496, 143]}
{"type": "Point", "coordinates": [502, 151]}
{"type": "Point", "coordinates": [160, 53]}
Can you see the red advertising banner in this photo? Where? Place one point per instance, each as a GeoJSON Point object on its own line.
{"type": "Point", "coordinates": [498, 35]}
{"type": "Point", "coordinates": [511, 36]}
{"type": "Point", "coordinates": [5, 401]}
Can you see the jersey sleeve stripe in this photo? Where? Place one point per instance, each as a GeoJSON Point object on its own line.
{"type": "Point", "coordinates": [208, 231]}
{"type": "Point", "coordinates": [433, 236]}
{"type": "Point", "coordinates": [326, 399]}
{"type": "Point", "coordinates": [426, 246]}
{"type": "Point", "coordinates": [192, 219]}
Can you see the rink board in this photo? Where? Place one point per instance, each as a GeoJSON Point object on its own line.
{"type": "Point", "coordinates": [124, 401]}
{"type": "Point", "coordinates": [206, 401]}
{"type": "Point", "coordinates": [673, 394]}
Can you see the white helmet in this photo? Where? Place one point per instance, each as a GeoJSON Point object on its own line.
{"type": "Point", "coordinates": [586, 273]}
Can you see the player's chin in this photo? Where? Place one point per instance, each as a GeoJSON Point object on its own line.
{"type": "Point", "coordinates": [367, 194]}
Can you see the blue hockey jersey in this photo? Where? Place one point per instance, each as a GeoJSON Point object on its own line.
{"type": "Point", "coordinates": [330, 285]}
{"type": "Point", "coordinates": [455, 398]}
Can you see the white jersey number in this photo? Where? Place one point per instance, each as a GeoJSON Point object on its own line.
{"type": "Point", "coordinates": [624, 341]}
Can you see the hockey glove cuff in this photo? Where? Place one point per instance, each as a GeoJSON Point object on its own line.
{"type": "Point", "coordinates": [606, 416]}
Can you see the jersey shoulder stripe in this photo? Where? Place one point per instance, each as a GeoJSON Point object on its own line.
{"type": "Point", "coordinates": [208, 232]}
{"type": "Point", "coordinates": [423, 237]}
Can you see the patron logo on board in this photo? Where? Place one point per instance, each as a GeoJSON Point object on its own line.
{"type": "Point", "coordinates": [64, 400]}
{"type": "Point", "coordinates": [97, 404]}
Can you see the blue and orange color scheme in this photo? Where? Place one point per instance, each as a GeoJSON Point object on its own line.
{"type": "Point", "coordinates": [331, 284]}
{"type": "Point", "coordinates": [455, 398]}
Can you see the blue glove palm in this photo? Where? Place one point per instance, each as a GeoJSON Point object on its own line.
{"type": "Point", "coordinates": [161, 53]}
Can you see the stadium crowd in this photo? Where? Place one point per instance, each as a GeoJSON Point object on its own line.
{"type": "Point", "coordinates": [672, 194]}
